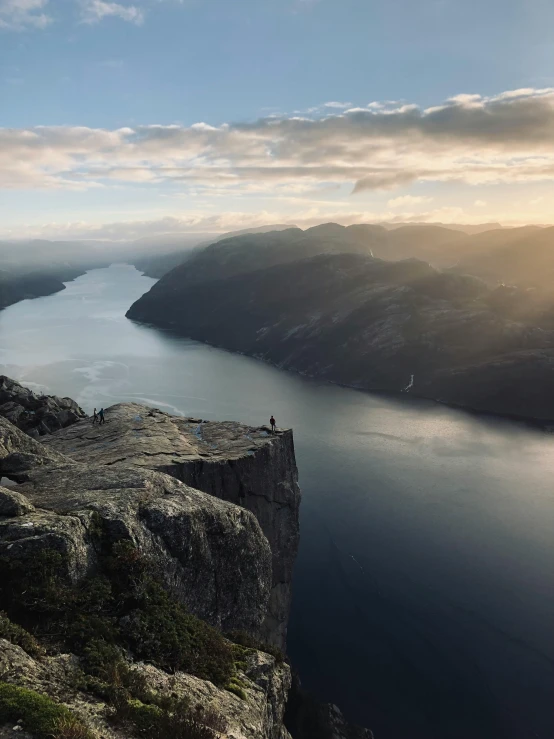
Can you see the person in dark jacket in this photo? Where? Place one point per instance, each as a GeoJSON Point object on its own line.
{"type": "Point", "coordinates": [101, 415]}
{"type": "Point", "coordinates": [272, 424]}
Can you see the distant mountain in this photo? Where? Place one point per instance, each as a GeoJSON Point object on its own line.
{"type": "Point", "coordinates": [523, 256]}
{"type": "Point", "coordinates": [361, 321]}
{"type": "Point", "coordinates": [438, 245]}
{"type": "Point", "coordinates": [250, 251]}
{"type": "Point", "coordinates": [233, 254]}
{"type": "Point", "coordinates": [16, 287]}
{"type": "Point", "coordinates": [464, 227]}
{"type": "Point", "coordinates": [31, 269]}
{"type": "Point", "coordinates": [257, 230]}
{"type": "Point", "coordinates": [164, 255]}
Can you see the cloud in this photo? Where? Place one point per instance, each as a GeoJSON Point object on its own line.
{"type": "Point", "coordinates": [480, 203]}
{"type": "Point", "coordinates": [18, 15]}
{"type": "Point", "coordinates": [469, 139]}
{"type": "Point", "coordinates": [339, 106]}
{"type": "Point", "coordinates": [407, 201]}
{"type": "Point", "coordinates": [96, 10]}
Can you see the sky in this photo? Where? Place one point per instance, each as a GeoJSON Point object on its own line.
{"type": "Point", "coordinates": [122, 119]}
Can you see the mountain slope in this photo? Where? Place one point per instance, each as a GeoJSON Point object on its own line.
{"type": "Point", "coordinates": [521, 257]}
{"type": "Point", "coordinates": [371, 324]}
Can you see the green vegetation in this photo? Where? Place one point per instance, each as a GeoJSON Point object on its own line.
{"type": "Point", "coordinates": [245, 640]}
{"type": "Point", "coordinates": [39, 714]}
{"type": "Point", "coordinates": [18, 635]}
{"type": "Point", "coordinates": [236, 686]}
{"type": "Point", "coordinates": [175, 720]}
{"type": "Point", "coordinates": [123, 609]}
{"type": "Point", "coordinates": [125, 606]}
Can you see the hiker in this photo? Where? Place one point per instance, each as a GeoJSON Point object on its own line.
{"type": "Point", "coordinates": [94, 417]}
{"type": "Point", "coordinates": [272, 423]}
{"type": "Point", "coordinates": [101, 415]}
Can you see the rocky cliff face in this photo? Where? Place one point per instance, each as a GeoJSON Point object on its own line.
{"type": "Point", "coordinates": [248, 467]}
{"type": "Point", "coordinates": [114, 537]}
{"type": "Point", "coordinates": [36, 414]}
{"type": "Point", "coordinates": [212, 555]}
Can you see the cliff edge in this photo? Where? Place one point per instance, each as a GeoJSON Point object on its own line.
{"type": "Point", "coordinates": [194, 567]}
{"type": "Point", "coordinates": [145, 581]}
{"type": "Point", "coordinates": [249, 467]}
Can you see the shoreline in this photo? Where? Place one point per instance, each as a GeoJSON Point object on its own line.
{"type": "Point", "coordinates": [544, 425]}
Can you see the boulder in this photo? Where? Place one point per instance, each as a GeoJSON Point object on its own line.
{"type": "Point", "coordinates": [13, 503]}
{"type": "Point", "coordinates": [36, 414]}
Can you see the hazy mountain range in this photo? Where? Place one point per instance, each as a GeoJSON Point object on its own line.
{"type": "Point", "coordinates": [467, 318]}
{"type": "Point", "coordinates": [324, 302]}
{"type": "Point", "coordinates": [30, 269]}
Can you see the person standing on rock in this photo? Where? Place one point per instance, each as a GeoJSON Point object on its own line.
{"type": "Point", "coordinates": [94, 417]}
{"type": "Point", "coordinates": [101, 415]}
{"type": "Point", "coordinates": [272, 424]}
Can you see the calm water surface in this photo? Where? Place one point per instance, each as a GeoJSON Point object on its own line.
{"type": "Point", "coordinates": [424, 588]}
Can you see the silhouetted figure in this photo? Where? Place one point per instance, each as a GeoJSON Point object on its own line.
{"type": "Point", "coordinates": [101, 416]}
{"type": "Point", "coordinates": [95, 417]}
{"type": "Point", "coordinates": [272, 422]}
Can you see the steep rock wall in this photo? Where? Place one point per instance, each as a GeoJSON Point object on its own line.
{"type": "Point", "coordinates": [246, 466]}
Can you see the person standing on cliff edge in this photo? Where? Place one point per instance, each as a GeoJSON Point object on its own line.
{"type": "Point", "coordinates": [272, 424]}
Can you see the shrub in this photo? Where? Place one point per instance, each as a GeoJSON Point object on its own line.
{"type": "Point", "coordinates": [41, 716]}
{"type": "Point", "coordinates": [162, 632]}
{"type": "Point", "coordinates": [18, 635]}
{"type": "Point", "coordinates": [249, 642]}
{"type": "Point", "coordinates": [233, 687]}
{"type": "Point", "coordinates": [154, 723]}
{"type": "Point", "coordinates": [124, 608]}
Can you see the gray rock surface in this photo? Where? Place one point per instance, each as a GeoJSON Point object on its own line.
{"type": "Point", "coordinates": [19, 453]}
{"type": "Point", "coordinates": [249, 467]}
{"type": "Point", "coordinates": [13, 503]}
{"type": "Point", "coordinates": [214, 556]}
{"type": "Point", "coordinates": [36, 414]}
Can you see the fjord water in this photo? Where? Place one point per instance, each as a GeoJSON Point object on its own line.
{"type": "Point", "coordinates": [424, 588]}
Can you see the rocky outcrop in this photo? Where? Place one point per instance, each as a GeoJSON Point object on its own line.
{"type": "Point", "coordinates": [37, 415]}
{"type": "Point", "coordinates": [249, 467]}
{"type": "Point", "coordinates": [211, 555]}
{"type": "Point", "coordinates": [195, 499]}
{"type": "Point", "coordinates": [24, 452]}
{"type": "Point", "coordinates": [214, 556]}
{"type": "Point", "coordinates": [87, 467]}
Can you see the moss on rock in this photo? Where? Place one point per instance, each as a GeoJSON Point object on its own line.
{"type": "Point", "coordinates": [39, 714]}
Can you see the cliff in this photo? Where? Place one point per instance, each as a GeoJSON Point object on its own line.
{"type": "Point", "coordinates": [371, 324]}
{"type": "Point", "coordinates": [210, 557]}
{"type": "Point", "coordinates": [249, 467]}
{"type": "Point", "coordinates": [145, 579]}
